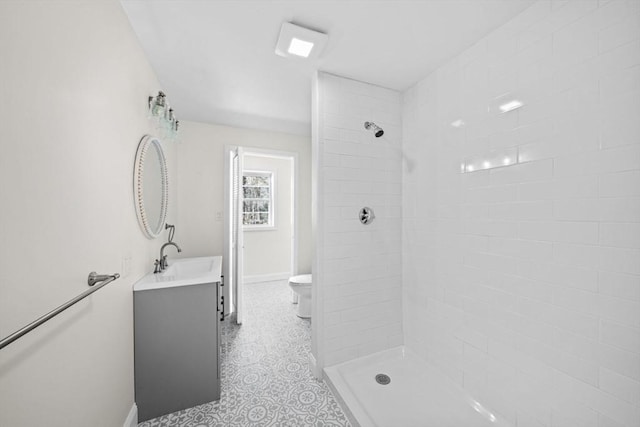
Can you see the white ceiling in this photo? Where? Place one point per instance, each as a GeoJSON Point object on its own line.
{"type": "Point", "coordinates": [215, 59]}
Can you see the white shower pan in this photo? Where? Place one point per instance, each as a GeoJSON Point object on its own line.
{"type": "Point", "coordinates": [418, 395]}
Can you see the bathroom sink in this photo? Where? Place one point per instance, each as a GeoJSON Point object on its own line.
{"type": "Point", "coordinates": [183, 272]}
{"type": "Point", "coordinates": [176, 323]}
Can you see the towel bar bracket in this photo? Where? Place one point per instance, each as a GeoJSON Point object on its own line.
{"type": "Point", "coordinates": [96, 278]}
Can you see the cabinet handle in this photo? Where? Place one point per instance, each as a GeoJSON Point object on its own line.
{"type": "Point", "coordinates": [221, 297]}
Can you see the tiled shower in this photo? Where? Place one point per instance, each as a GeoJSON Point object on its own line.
{"type": "Point", "coordinates": [506, 245]}
{"type": "Point", "coordinates": [360, 266]}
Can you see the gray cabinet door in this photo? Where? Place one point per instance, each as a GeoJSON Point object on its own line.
{"type": "Point", "coordinates": [176, 349]}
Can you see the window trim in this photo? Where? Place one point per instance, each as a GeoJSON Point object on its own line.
{"type": "Point", "coordinates": [272, 201]}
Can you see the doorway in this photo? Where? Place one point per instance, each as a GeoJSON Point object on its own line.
{"type": "Point", "coordinates": [261, 241]}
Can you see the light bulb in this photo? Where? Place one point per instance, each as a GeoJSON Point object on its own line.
{"type": "Point", "coordinates": [159, 105]}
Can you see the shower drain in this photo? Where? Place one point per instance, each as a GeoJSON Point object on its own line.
{"type": "Point", "coordinates": [383, 379]}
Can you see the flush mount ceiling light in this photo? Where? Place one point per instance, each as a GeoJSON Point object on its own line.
{"type": "Point", "coordinates": [300, 47]}
{"type": "Point", "coordinates": [296, 41]}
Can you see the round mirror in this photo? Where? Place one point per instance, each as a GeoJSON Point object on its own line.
{"type": "Point", "coordinates": [151, 187]}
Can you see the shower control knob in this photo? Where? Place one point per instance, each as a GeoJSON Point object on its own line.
{"type": "Point", "coordinates": [366, 215]}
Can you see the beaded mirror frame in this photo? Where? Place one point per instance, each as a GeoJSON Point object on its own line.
{"type": "Point", "coordinates": [150, 150]}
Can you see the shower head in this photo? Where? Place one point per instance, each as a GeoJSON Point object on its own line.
{"type": "Point", "coordinates": [372, 126]}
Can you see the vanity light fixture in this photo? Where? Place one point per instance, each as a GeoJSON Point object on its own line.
{"type": "Point", "coordinates": [514, 104]}
{"type": "Point", "coordinates": [300, 42]}
{"type": "Point", "coordinates": [163, 116]}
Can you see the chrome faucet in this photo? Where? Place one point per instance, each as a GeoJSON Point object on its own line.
{"type": "Point", "coordinates": [163, 258]}
{"type": "Point", "coordinates": [162, 263]}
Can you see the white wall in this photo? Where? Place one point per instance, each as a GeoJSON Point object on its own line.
{"type": "Point", "coordinates": [74, 86]}
{"type": "Point", "coordinates": [522, 283]}
{"type": "Point", "coordinates": [357, 268]}
{"type": "Point", "coordinates": [267, 253]}
{"type": "Point", "coordinates": [201, 185]}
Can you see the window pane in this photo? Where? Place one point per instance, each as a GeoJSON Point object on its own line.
{"type": "Point", "coordinates": [250, 219]}
{"type": "Point", "coordinates": [256, 180]}
{"type": "Point", "coordinates": [251, 193]}
{"type": "Point", "coordinates": [262, 206]}
{"type": "Point", "coordinates": [264, 218]}
{"type": "Point", "coordinates": [262, 180]}
{"type": "Point", "coordinates": [248, 206]}
{"type": "Point", "coordinates": [264, 192]}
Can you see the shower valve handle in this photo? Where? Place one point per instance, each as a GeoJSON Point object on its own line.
{"type": "Point", "coordinates": [366, 215]}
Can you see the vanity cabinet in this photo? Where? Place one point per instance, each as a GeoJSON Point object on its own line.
{"type": "Point", "coordinates": [177, 339]}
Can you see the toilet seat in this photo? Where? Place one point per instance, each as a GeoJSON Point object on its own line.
{"type": "Point", "coordinates": [301, 279]}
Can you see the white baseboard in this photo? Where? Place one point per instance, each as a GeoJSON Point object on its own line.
{"type": "Point", "coordinates": [267, 277]}
{"type": "Point", "coordinates": [132, 418]}
{"type": "Point", "coordinates": [313, 366]}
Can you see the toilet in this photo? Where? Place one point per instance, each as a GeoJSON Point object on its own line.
{"type": "Point", "coordinates": [301, 287]}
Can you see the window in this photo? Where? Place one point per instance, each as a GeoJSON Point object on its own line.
{"type": "Point", "coordinates": [257, 190]}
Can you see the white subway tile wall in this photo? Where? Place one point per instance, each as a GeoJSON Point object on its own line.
{"type": "Point", "coordinates": [361, 267]}
{"type": "Point", "coordinates": [522, 283]}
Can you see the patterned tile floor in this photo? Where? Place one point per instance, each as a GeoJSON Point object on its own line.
{"type": "Point", "coordinates": [265, 376]}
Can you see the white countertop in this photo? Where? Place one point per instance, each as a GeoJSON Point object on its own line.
{"type": "Point", "coordinates": [183, 272]}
